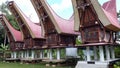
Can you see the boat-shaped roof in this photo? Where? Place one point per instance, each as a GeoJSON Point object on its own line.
{"type": "Point", "coordinates": [106, 14]}
{"type": "Point", "coordinates": [35, 30]}
{"type": "Point", "coordinates": [62, 26]}
{"type": "Point", "coordinates": [17, 35]}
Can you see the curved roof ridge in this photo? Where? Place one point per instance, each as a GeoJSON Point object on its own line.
{"type": "Point", "coordinates": [17, 35]}
{"type": "Point", "coordinates": [66, 26]}
{"type": "Point", "coordinates": [34, 29]}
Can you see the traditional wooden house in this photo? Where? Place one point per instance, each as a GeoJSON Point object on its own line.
{"type": "Point", "coordinates": [98, 26]}
{"type": "Point", "coordinates": [95, 24]}
{"type": "Point", "coordinates": [32, 34]}
{"type": "Point", "coordinates": [59, 33]}
{"type": "Point", "coordinates": [14, 36]}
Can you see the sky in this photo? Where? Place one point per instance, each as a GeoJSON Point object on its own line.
{"type": "Point", "coordinates": [62, 7]}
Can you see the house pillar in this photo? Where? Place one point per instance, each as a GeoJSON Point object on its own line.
{"type": "Point", "coordinates": [22, 54]}
{"type": "Point", "coordinates": [12, 56]}
{"type": "Point", "coordinates": [50, 54]}
{"type": "Point", "coordinates": [33, 54]}
{"type": "Point", "coordinates": [95, 53]}
{"type": "Point", "coordinates": [88, 53]}
{"type": "Point", "coordinates": [41, 54]}
{"type": "Point", "coordinates": [107, 52]}
{"type": "Point", "coordinates": [101, 53]}
{"type": "Point", "coordinates": [27, 54]}
{"type": "Point", "coordinates": [58, 54]}
{"type": "Point", "coordinates": [112, 52]}
{"type": "Point", "coordinates": [15, 54]}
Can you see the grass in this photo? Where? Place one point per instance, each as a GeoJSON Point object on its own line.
{"type": "Point", "coordinates": [18, 65]}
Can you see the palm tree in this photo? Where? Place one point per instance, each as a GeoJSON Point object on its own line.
{"type": "Point", "coordinates": [3, 49]}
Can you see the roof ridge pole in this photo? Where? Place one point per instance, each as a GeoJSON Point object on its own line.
{"type": "Point", "coordinates": [101, 53]}
{"type": "Point", "coordinates": [107, 52]}
{"type": "Point", "coordinates": [88, 53]}
{"type": "Point", "coordinates": [112, 52]}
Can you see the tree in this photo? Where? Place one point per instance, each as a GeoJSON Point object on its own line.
{"type": "Point", "coordinates": [10, 17]}
{"type": "Point", "coordinates": [3, 49]}
{"type": "Point", "coordinates": [4, 44]}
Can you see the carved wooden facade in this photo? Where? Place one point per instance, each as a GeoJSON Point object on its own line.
{"type": "Point", "coordinates": [88, 23]}
{"type": "Point", "coordinates": [14, 36]}
{"type": "Point", "coordinates": [54, 38]}
{"type": "Point", "coordinates": [30, 41]}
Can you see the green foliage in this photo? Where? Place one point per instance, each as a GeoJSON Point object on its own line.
{"type": "Point", "coordinates": [4, 47]}
{"type": "Point", "coordinates": [2, 34]}
{"type": "Point", "coordinates": [78, 41]}
{"type": "Point", "coordinates": [11, 19]}
{"type": "Point", "coordinates": [117, 52]}
{"type": "Point", "coordinates": [117, 65]}
{"type": "Point", "coordinates": [13, 22]}
{"type": "Point", "coordinates": [81, 54]}
{"type": "Point", "coordinates": [63, 54]}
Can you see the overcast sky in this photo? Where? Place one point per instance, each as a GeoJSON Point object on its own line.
{"type": "Point", "coordinates": [62, 7]}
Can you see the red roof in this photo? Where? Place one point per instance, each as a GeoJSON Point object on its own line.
{"type": "Point", "coordinates": [17, 35]}
{"type": "Point", "coordinates": [109, 9]}
{"type": "Point", "coordinates": [34, 29]}
{"type": "Point", "coordinates": [65, 26]}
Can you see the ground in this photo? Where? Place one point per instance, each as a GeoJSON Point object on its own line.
{"type": "Point", "coordinates": [19, 65]}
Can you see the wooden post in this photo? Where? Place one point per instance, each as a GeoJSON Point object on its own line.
{"type": "Point", "coordinates": [101, 53]}
{"type": "Point", "coordinates": [50, 54]}
{"type": "Point", "coordinates": [19, 54]}
{"type": "Point", "coordinates": [22, 54]}
{"type": "Point", "coordinates": [88, 53]}
{"type": "Point", "coordinates": [12, 56]}
{"type": "Point", "coordinates": [95, 53]}
{"type": "Point", "coordinates": [33, 54]}
{"type": "Point", "coordinates": [27, 53]}
{"type": "Point", "coordinates": [15, 55]}
{"type": "Point", "coordinates": [107, 52]}
{"type": "Point", "coordinates": [112, 52]}
{"type": "Point", "coordinates": [58, 54]}
{"type": "Point", "coordinates": [41, 54]}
